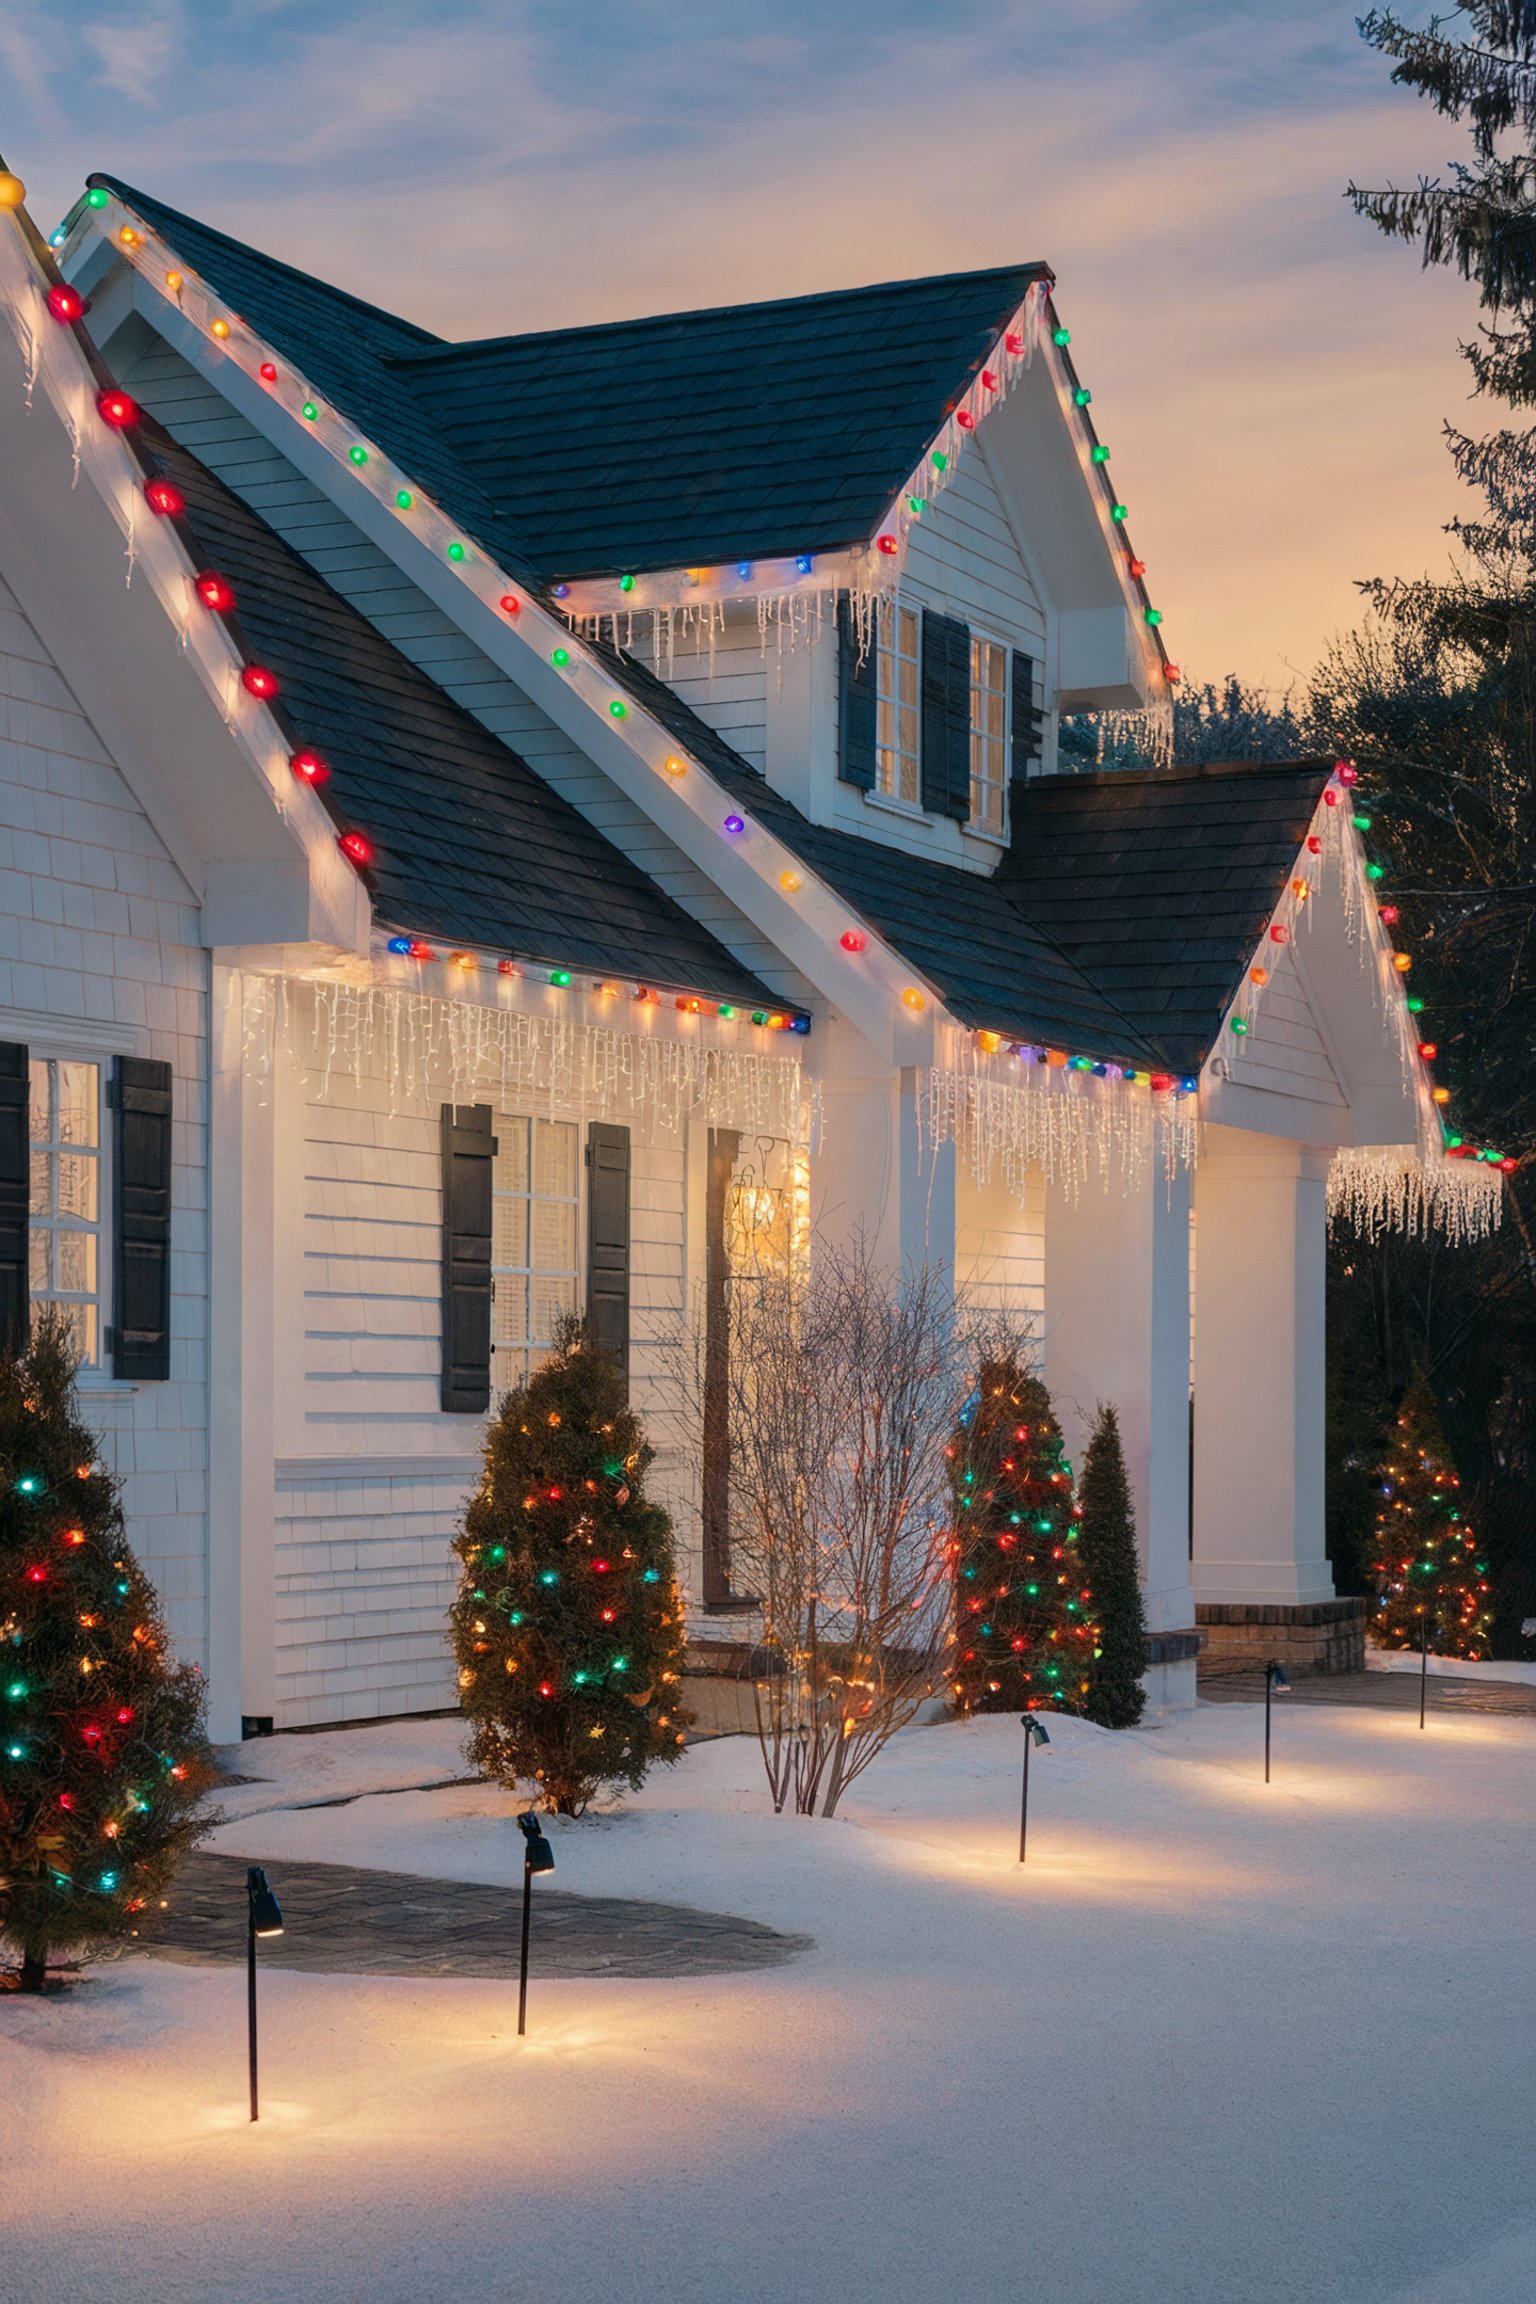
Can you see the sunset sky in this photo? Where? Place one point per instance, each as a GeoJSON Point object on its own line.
{"type": "Point", "coordinates": [1270, 373]}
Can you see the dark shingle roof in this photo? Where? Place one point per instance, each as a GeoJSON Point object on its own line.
{"type": "Point", "coordinates": [1159, 886]}
{"type": "Point", "coordinates": [472, 846]}
{"type": "Point", "coordinates": [750, 432]}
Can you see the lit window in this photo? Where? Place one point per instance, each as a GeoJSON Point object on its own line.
{"type": "Point", "coordinates": [64, 1233]}
{"type": "Point", "coordinates": [536, 1202]}
{"type": "Point", "coordinates": [989, 735]}
{"type": "Point", "coordinates": [896, 688]}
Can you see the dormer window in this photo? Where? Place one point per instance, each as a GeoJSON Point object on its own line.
{"type": "Point", "coordinates": [896, 676]}
{"type": "Point", "coordinates": [989, 736]}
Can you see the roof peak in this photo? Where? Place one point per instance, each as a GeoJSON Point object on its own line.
{"type": "Point", "coordinates": [442, 348]}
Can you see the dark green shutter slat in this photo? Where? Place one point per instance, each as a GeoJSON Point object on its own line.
{"type": "Point", "coordinates": [15, 1196]}
{"type": "Point", "coordinates": [946, 737]}
{"type": "Point", "coordinates": [468, 1150]}
{"type": "Point", "coordinates": [1026, 718]}
{"type": "Point", "coordinates": [858, 702]}
{"type": "Point", "coordinates": [141, 1295]}
{"type": "Point", "coordinates": [608, 1162]}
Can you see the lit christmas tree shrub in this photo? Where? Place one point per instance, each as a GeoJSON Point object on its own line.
{"type": "Point", "coordinates": [1428, 1566]}
{"type": "Point", "coordinates": [103, 1759]}
{"type": "Point", "coordinates": [568, 1626]}
{"type": "Point", "coordinates": [1111, 1568]}
{"type": "Point", "coordinates": [1025, 1627]}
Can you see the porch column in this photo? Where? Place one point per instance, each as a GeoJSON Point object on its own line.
{"type": "Point", "coordinates": [1260, 1241]}
{"type": "Point", "coordinates": [1117, 1329]}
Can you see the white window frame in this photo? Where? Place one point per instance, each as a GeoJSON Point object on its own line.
{"type": "Point", "coordinates": [898, 768]}
{"type": "Point", "coordinates": [47, 1226]}
{"type": "Point", "coordinates": [985, 786]}
{"type": "Point", "coordinates": [514, 1360]}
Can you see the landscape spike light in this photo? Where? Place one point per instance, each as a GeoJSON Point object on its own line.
{"type": "Point", "coordinates": [263, 1918]}
{"type": "Point", "coordinates": [538, 1856]}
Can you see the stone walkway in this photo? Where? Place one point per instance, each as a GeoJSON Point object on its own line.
{"type": "Point", "coordinates": [339, 1920]}
{"type": "Point", "coordinates": [1387, 1691]}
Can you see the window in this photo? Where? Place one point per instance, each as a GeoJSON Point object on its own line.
{"type": "Point", "coordinates": [896, 654]}
{"type": "Point", "coordinates": [536, 1190]}
{"type": "Point", "coordinates": [989, 736]}
{"type": "Point", "coordinates": [64, 1232]}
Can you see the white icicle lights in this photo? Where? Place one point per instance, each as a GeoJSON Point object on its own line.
{"type": "Point", "coordinates": [1007, 1114]}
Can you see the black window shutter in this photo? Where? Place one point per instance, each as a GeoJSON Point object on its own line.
{"type": "Point", "coordinates": [15, 1196]}
{"type": "Point", "coordinates": [141, 1229]}
{"type": "Point", "coordinates": [858, 701]}
{"type": "Point", "coordinates": [608, 1238]}
{"type": "Point", "coordinates": [469, 1148]}
{"type": "Point", "coordinates": [1026, 719]}
{"type": "Point", "coordinates": [946, 690]}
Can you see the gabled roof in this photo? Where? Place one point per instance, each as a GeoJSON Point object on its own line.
{"type": "Point", "coordinates": [748, 432]}
{"type": "Point", "coordinates": [472, 846]}
{"type": "Point", "coordinates": [1159, 886]}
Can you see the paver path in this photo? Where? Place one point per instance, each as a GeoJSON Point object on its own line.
{"type": "Point", "coordinates": [1391, 1691]}
{"type": "Point", "coordinates": [340, 1920]}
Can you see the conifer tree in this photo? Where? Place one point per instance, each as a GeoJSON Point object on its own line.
{"type": "Point", "coordinates": [1429, 1569]}
{"type": "Point", "coordinates": [1107, 1554]}
{"type": "Point", "coordinates": [1025, 1629]}
{"type": "Point", "coordinates": [568, 1625]}
{"type": "Point", "coordinates": [103, 1759]}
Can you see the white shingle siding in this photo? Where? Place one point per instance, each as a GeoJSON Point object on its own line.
{"type": "Point", "coordinates": [100, 954]}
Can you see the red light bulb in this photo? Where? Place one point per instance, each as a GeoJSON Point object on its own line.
{"type": "Point", "coordinates": [1172, 674]}
{"type": "Point", "coordinates": [37, 1575]}
{"type": "Point", "coordinates": [989, 379]}
{"type": "Point", "coordinates": [965, 420]}
{"type": "Point", "coordinates": [1014, 342]}
{"type": "Point", "coordinates": [1314, 845]}
{"type": "Point", "coordinates": [1390, 914]}
{"type": "Point", "coordinates": [215, 593]}
{"type": "Point", "coordinates": [125, 1714]}
{"type": "Point", "coordinates": [66, 303]}
{"type": "Point", "coordinates": [510, 604]}
{"type": "Point", "coordinates": [269, 372]}
{"type": "Point", "coordinates": [1330, 798]}
{"type": "Point", "coordinates": [886, 544]}
{"type": "Point", "coordinates": [164, 497]}
{"type": "Point", "coordinates": [1279, 933]}
{"type": "Point", "coordinates": [116, 409]}
{"type": "Point", "coordinates": [259, 681]}
{"type": "Point", "coordinates": [851, 940]}
{"type": "Point", "coordinates": [1138, 568]}
{"type": "Point", "coordinates": [1346, 771]}
{"type": "Point", "coordinates": [355, 848]}
{"type": "Point", "coordinates": [1428, 1051]}
{"type": "Point", "coordinates": [309, 767]}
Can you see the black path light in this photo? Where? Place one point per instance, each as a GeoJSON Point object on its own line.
{"type": "Point", "coordinates": [1276, 1683]}
{"type": "Point", "coordinates": [263, 1918]}
{"type": "Point", "coordinates": [538, 1856]}
{"type": "Point", "coordinates": [1034, 1733]}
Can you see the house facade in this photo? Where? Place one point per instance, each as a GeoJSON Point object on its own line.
{"type": "Point", "coordinates": [511, 826]}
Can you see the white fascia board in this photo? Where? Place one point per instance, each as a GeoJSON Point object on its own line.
{"type": "Point", "coordinates": [1345, 963]}
{"type": "Point", "coordinates": [805, 924]}
{"type": "Point", "coordinates": [109, 591]}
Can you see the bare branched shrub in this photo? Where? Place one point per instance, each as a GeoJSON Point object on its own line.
{"type": "Point", "coordinates": [840, 1388]}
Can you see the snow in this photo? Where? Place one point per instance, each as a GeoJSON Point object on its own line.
{"type": "Point", "coordinates": [1449, 1667]}
{"type": "Point", "coordinates": [1215, 2042]}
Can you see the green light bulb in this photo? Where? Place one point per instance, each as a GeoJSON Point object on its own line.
{"type": "Point", "coordinates": [559, 975]}
{"type": "Point", "coordinates": [1361, 823]}
{"type": "Point", "coordinates": [560, 657]}
{"type": "Point", "coordinates": [626, 583]}
{"type": "Point", "coordinates": [1415, 1006]}
{"type": "Point", "coordinates": [1082, 396]}
{"type": "Point", "coordinates": [358, 454]}
{"type": "Point", "coordinates": [404, 499]}
{"type": "Point", "coordinates": [1375, 871]}
{"type": "Point", "coordinates": [1154, 615]}
{"type": "Point", "coordinates": [1238, 1026]}
{"type": "Point", "coordinates": [309, 412]}
{"type": "Point", "coordinates": [455, 551]}
{"type": "Point", "coordinates": [1119, 512]}
{"type": "Point", "coordinates": [1101, 454]}
{"type": "Point", "coordinates": [97, 197]}
{"type": "Point", "coordinates": [1061, 336]}
{"type": "Point", "coordinates": [618, 709]}
{"type": "Point", "coordinates": [726, 1012]}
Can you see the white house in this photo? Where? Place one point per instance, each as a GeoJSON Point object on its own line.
{"type": "Point", "coordinates": [486, 824]}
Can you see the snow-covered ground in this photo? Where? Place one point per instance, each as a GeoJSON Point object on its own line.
{"type": "Point", "coordinates": [1215, 2042]}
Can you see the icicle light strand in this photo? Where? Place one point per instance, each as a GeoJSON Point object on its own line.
{"type": "Point", "coordinates": [1071, 1125]}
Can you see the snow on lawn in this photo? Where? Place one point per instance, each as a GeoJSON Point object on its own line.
{"type": "Point", "coordinates": [1215, 2042]}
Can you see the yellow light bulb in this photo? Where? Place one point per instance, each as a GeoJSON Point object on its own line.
{"type": "Point", "coordinates": [913, 999]}
{"type": "Point", "coordinates": [789, 882]}
{"type": "Point", "coordinates": [989, 1042]}
{"type": "Point", "coordinates": [175, 283]}
{"type": "Point", "coordinates": [1258, 975]}
{"type": "Point", "coordinates": [1401, 962]}
{"type": "Point", "coordinates": [128, 236]}
{"type": "Point", "coordinates": [676, 767]}
{"type": "Point", "coordinates": [219, 328]}
{"type": "Point", "coordinates": [12, 190]}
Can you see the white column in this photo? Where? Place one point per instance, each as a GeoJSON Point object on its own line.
{"type": "Point", "coordinates": [1260, 1243]}
{"type": "Point", "coordinates": [1117, 1330]}
{"type": "Point", "coordinates": [242, 1673]}
{"type": "Point", "coordinates": [874, 1169]}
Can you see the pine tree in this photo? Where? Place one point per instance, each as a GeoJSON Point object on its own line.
{"type": "Point", "coordinates": [1428, 1565]}
{"type": "Point", "coordinates": [1106, 1538]}
{"type": "Point", "coordinates": [103, 1759]}
{"type": "Point", "coordinates": [568, 1625]}
{"type": "Point", "coordinates": [1026, 1634]}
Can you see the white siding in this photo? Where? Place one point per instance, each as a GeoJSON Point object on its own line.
{"type": "Point", "coordinates": [196, 414]}
{"type": "Point", "coordinates": [1000, 1250]}
{"type": "Point", "coordinates": [723, 676]}
{"type": "Point", "coordinates": [1284, 1052]}
{"type": "Point", "coordinates": [371, 1475]}
{"type": "Point", "coordinates": [99, 941]}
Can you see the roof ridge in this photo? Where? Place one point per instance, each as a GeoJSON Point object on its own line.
{"type": "Point", "coordinates": [147, 200]}
{"type": "Point", "coordinates": [442, 348]}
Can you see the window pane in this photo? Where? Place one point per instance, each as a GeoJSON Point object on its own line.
{"type": "Point", "coordinates": [550, 1299]}
{"type": "Point", "coordinates": [77, 1103]}
{"type": "Point", "coordinates": [554, 1163]}
{"type": "Point", "coordinates": [41, 1203]}
{"type": "Point", "coordinates": [75, 1263]}
{"type": "Point", "coordinates": [511, 1154]}
{"type": "Point", "coordinates": [37, 1262]}
{"type": "Point", "coordinates": [39, 1078]}
{"type": "Point", "coordinates": [511, 1308]}
{"type": "Point", "coordinates": [554, 1236]}
{"type": "Point", "coordinates": [77, 1174]}
{"type": "Point", "coordinates": [510, 1231]}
